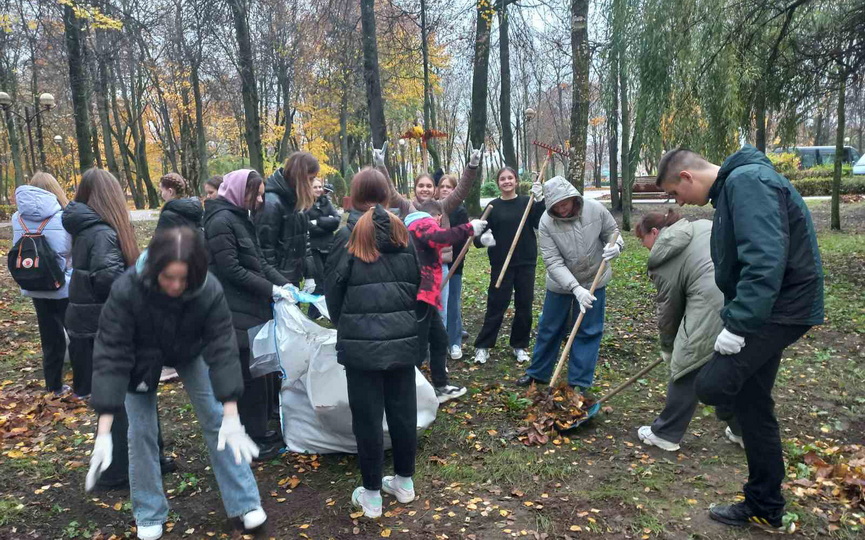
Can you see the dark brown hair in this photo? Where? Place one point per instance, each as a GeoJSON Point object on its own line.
{"type": "Point", "coordinates": [362, 242]}
{"type": "Point", "coordinates": [250, 195]}
{"type": "Point", "coordinates": [101, 192]}
{"type": "Point", "coordinates": [506, 168]}
{"type": "Point", "coordinates": [176, 182]}
{"type": "Point", "coordinates": [296, 171]}
{"type": "Point", "coordinates": [431, 207]}
{"type": "Point", "coordinates": [421, 177]}
{"type": "Point", "coordinates": [214, 181]}
{"type": "Point", "coordinates": [676, 161]}
{"type": "Point", "coordinates": [656, 220]}
{"type": "Point", "coordinates": [177, 244]}
{"type": "Point", "coordinates": [369, 187]}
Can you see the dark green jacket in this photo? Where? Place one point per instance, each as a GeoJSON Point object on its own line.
{"type": "Point", "coordinates": [764, 248]}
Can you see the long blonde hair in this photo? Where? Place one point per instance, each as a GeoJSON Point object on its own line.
{"type": "Point", "coordinates": [44, 180]}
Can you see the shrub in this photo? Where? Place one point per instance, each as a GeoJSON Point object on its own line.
{"type": "Point", "coordinates": [6, 211]}
{"type": "Point", "coordinates": [786, 163]}
{"type": "Point", "coordinates": [339, 188]}
{"type": "Point", "coordinates": [489, 189]}
{"type": "Point", "coordinates": [821, 186]}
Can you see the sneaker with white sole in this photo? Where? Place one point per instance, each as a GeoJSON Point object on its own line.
{"type": "Point", "coordinates": [448, 392]}
{"type": "Point", "coordinates": [456, 352]}
{"type": "Point", "coordinates": [404, 494]}
{"type": "Point", "coordinates": [733, 438]}
{"type": "Point", "coordinates": [150, 532]}
{"type": "Point", "coordinates": [370, 504]}
{"type": "Point", "coordinates": [168, 374]}
{"type": "Point", "coordinates": [648, 437]}
{"type": "Point", "coordinates": [522, 356]}
{"type": "Point", "coordinates": [254, 519]}
{"type": "Point", "coordinates": [481, 356]}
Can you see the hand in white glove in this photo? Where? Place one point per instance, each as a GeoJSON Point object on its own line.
{"type": "Point", "coordinates": [475, 156]}
{"type": "Point", "coordinates": [584, 298]}
{"type": "Point", "coordinates": [379, 154]}
{"type": "Point", "coordinates": [538, 191]}
{"type": "Point", "coordinates": [313, 222]}
{"type": "Point", "coordinates": [478, 226]}
{"type": "Point", "coordinates": [231, 432]}
{"type": "Point", "coordinates": [282, 293]}
{"type": "Point", "coordinates": [666, 356]}
{"type": "Point", "coordinates": [100, 459]}
{"type": "Point", "coordinates": [611, 252]}
{"type": "Point", "coordinates": [487, 239]}
{"type": "Point", "coordinates": [729, 343]}
{"type": "Point", "coordinates": [309, 285]}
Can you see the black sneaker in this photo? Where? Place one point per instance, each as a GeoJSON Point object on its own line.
{"type": "Point", "coordinates": [167, 464]}
{"type": "Point", "coordinates": [741, 515]}
{"type": "Point", "coordinates": [527, 379]}
{"type": "Point", "coordinates": [268, 451]}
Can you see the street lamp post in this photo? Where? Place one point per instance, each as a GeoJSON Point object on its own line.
{"type": "Point", "coordinates": [46, 103]}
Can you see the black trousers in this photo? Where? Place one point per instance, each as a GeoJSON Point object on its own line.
{"type": "Point", "coordinates": [51, 316]}
{"type": "Point", "coordinates": [744, 381]}
{"type": "Point", "coordinates": [118, 471]}
{"type": "Point", "coordinates": [319, 259]}
{"type": "Point", "coordinates": [81, 357]}
{"type": "Point", "coordinates": [520, 281]}
{"type": "Point", "coordinates": [432, 337]}
{"type": "Point", "coordinates": [257, 402]}
{"type": "Point", "coordinates": [371, 395]}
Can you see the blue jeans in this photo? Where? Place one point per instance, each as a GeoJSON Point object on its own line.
{"type": "Point", "coordinates": [454, 319]}
{"type": "Point", "coordinates": [443, 312]}
{"type": "Point", "coordinates": [555, 326]}
{"type": "Point", "coordinates": [236, 483]}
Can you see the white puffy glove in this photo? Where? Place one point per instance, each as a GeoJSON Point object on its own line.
{"type": "Point", "coordinates": [282, 293]}
{"type": "Point", "coordinates": [309, 285]}
{"type": "Point", "coordinates": [611, 252]}
{"type": "Point", "coordinates": [487, 239]}
{"type": "Point", "coordinates": [475, 156]}
{"type": "Point", "coordinates": [100, 459]}
{"type": "Point", "coordinates": [538, 191]}
{"type": "Point", "coordinates": [231, 432]}
{"type": "Point", "coordinates": [379, 154]}
{"type": "Point", "coordinates": [478, 225]}
{"type": "Point", "coordinates": [666, 356]}
{"type": "Point", "coordinates": [584, 298]}
{"type": "Point", "coordinates": [729, 343]}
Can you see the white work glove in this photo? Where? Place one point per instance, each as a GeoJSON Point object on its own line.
{"type": "Point", "coordinates": [478, 225]}
{"type": "Point", "coordinates": [666, 356]}
{"type": "Point", "coordinates": [584, 298]}
{"type": "Point", "coordinates": [309, 285]}
{"type": "Point", "coordinates": [538, 191]}
{"type": "Point", "coordinates": [729, 343]}
{"type": "Point", "coordinates": [378, 155]}
{"type": "Point", "coordinates": [100, 459]}
{"type": "Point", "coordinates": [313, 222]}
{"type": "Point", "coordinates": [611, 252]}
{"type": "Point", "coordinates": [231, 432]}
{"type": "Point", "coordinates": [475, 156]}
{"type": "Point", "coordinates": [487, 239]}
{"type": "Point", "coordinates": [282, 293]}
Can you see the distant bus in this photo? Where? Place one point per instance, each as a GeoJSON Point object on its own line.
{"type": "Point", "coordinates": [811, 156]}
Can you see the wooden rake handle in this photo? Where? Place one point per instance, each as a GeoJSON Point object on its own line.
{"type": "Point", "coordinates": [573, 335]}
{"type": "Point", "coordinates": [465, 248]}
{"type": "Point", "coordinates": [631, 381]}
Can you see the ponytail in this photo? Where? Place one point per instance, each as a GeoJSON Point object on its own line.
{"type": "Point", "coordinates": [656, 220]}
{"type": "Point", "coordinates": [362, 242]}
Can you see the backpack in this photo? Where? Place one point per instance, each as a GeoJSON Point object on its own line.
{"type": "Point", "coordinates": [32, 262]}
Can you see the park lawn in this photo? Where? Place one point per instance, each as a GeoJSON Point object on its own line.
{"type": "Point", "coordinates": [474, 478]}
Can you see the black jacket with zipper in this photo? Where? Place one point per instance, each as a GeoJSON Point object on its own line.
{"type": "Point", "coordinates": [181, 213]}
{"type": "Point", "coordinates": [326, 223]}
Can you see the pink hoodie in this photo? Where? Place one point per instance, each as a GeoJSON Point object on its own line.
{"type": "Point", "coordinates": [233, 186]}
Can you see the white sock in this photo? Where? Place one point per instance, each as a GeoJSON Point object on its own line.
{"type": "Point", "coordinates": [403, 482]}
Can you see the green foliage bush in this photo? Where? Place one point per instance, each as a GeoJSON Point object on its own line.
{"type": "Point", "coordinates": [6, 211]}
{"type": "Point", "coordinates": [787, 163]}
{"type": "Point", "coordinates": [489, 189]}
{"type": "Point", "coordinates": [339, 187]}
{"type": "Point", "coordinates": [821, 186]}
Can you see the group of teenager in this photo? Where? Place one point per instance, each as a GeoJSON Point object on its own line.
{"type": "Point", "coordinates": [732, 295]}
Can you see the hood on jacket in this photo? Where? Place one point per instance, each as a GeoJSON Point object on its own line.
{"type": "Point", "coordinates": [416, 216]}
{"type": "Point", "coordinates": [36, 204]}
{"type": "Point", "coordinates": [233, 186]}
{"type": "Point", "coordinates": [747, 155]}
{"type": "Point", "coordinates": [189, 208]}
{"type": "Point", "coordinates": [78, 216]}
{"type": "Point", "coordinates": [671, 241]}
{"type": "Point", "coordinates": [214, 206]}
{"type": "Point", "coordinates": [556, 190]}
{"type": "Point", "coordinates": [383, 237]}
{"type": "Point", "coordinates": [276, 183]}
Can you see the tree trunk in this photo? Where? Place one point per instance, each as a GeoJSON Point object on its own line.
{"type": "Point", "coordinates": [508, 150]}
{"type": "Point", "coordinates": [580, 88]}
{"type": "Point", "coordinates": [8, 83]}
{"type": "Point", "coordinates": [760, 114]}
{"type": "Point", "coordinates": [480, 76]}
{"type": "Point", "coordinates": [252, 121]}
{"type": "Point", "coordinates": [374, 100]}
{"type": "Point", "coordinates": [78, 84]}
{"type": "Point", "coordinates": [839, 155]}
{"type": "Point", "coordinates": [102, 103]}
{"type": "Point", "coordinates": [818, 127]}
{"type": "Point", "coordinates": [428, 113]}
{"type": "Point", "coordinates": [285, 85]}
{"type": "Point", "coordinates": [200, 132]}
{"type": "Point", "coordinates": [613, 126]}
{"type": "Point", "coordinates": [343, 137]}
{"type": "Point", "coordinates": [627, 179]}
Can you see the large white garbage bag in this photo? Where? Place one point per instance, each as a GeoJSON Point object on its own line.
{"type": "Point", "coordinates": [314, 400]}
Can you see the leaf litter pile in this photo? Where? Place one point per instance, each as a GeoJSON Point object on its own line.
{"type": "Point", "coordinates": [551, 411]}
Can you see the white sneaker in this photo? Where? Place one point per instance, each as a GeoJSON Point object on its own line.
{"type": "Point", "coordinates": [481, 356]}
{"type": "Point", "coordinates": [403, 495]}
{"type": "Point", "coordinates": [366, 502]}
{"type": "Point", "coordinates": [254, 519]}
{"type": "Point", "coordinates": [733, 438]}
{"type": "Point", "coordinates": [522, 356]}
{"type": "Point", "coordinates": [646, 435]}
{"type": "Point", "coordinates": [168, 374]}
{"type": "Point", "coordinates": [447, 393]}
{"type": "Point", "coordinates": [456, 352]}
{"type": "Point", "coordinates": [150, 532]}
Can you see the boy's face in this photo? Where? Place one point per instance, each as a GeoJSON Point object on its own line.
{"type": "Point", "coordinates": [686, 189]}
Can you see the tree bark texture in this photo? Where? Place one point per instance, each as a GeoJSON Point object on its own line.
{"type": "Point", "coordinates": [249, 89]}
{"type": "Point", "coordinates": [580, 88]}
{"type": "Point", "coordinates": [371, 76]}
{"type": "Point", "coordinates": [508, 149]}
{"type": "Point", "coordinates": [78, 84]}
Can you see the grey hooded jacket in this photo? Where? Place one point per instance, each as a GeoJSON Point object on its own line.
{"type": "Point", "coordinates": [573, 247]}
{"type": "Point", "coordinates": [689, 302]}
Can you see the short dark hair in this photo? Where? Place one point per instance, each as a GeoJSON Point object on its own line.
{"type": "Point", "coordinates": [676, 161]}
{"type": "Point", "coordinates": [214, 181]}
{"type": "Point", "coordinates": [431, 207]}
{"type": "Point", "coordinates": [177, 244]}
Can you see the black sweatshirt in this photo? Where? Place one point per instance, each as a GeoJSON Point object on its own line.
{"type": "Point", "coordinates": [504, 220]}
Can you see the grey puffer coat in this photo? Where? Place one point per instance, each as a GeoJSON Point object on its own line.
{"type": "Point", "coordinates": [573, 247]}
{"type": "Point", "coordinates": [689, 302]}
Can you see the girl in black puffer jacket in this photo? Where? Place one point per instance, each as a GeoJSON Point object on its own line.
{"type": "Point", "coordinates": [323, 222]}
{"type": "Point", "coordinates": [180, 210]}
{"type": "Point", "coordinates": [371, 285]}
